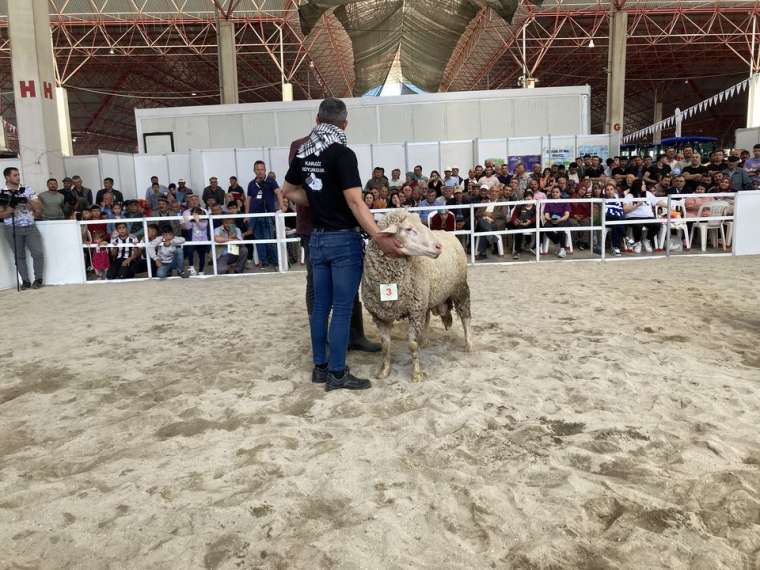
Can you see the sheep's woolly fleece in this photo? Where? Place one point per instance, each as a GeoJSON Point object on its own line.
{"type": "Point", "coordinates": [422, 282]}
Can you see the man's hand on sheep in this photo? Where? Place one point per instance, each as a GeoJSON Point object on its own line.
{"type": "Point", "coordinates": [388, 244]}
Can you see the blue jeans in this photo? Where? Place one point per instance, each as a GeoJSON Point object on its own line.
{"type": "Point", "coordinates": [177, 263]}
{"type": "Point", "coordinates": [337, 261]}
{"type": "Point", "coordinates": [263, 228]}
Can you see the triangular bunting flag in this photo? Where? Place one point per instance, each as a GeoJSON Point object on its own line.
{"type": "Point", "coordinates": [731, 91]}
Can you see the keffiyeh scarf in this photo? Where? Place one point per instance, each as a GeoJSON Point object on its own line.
{"type": "Point", "coordinates": [322, 136]}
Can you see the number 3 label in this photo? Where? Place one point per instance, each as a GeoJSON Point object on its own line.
{"type": "Point", "coordinates": [389, 292]}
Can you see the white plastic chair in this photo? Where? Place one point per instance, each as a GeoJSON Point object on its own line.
{"type": "Point", "coordinates": [568, 242]}
{"type": "Point", "coordinates": [714, 209]}
{"type": "Point", "coordinates": [675, 224]}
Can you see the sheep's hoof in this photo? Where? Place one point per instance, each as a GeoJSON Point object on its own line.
{"type": "Point", "coordinates": [416, 377]}
{"type": "Point", "coordinates": [468, 347]}
{"type": "Point", "coordinates": [423, 342]}
{"type": "Point", "coordinates": [383, 373]}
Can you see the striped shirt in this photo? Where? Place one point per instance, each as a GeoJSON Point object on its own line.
{"type": "Point", "coordinates": [614, 211]}
{"type": "Point", "coordinates": [24, 214]}
{"type": "Point", "coordinates": [124, 251]}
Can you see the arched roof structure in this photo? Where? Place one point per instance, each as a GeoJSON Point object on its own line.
{"type": "Point", "coordinates": [115, 55]}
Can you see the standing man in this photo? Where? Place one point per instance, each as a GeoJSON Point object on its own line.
{"type": "Point", "coordinates": [108, 187]}
{"type": "Point", "coordinates": [154, 180]}
{"type": "Point", "coordinates": [52, 202]}
{"type": "Point", "coordinates": [262, 198]}
{"type": "Point", "coordinates": [18, 208]}
{"type": "Point", "coordinates": [82, 195]}
{"type": "Point", "coordinates": [213, 190]}
{"type": "Point", "coordinates": [740, 180]}
{"type": "Point", "coordinates": [324, 175]}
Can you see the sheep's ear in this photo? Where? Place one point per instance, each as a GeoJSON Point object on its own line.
{"type": "Point", "coordinates": [392, 229]}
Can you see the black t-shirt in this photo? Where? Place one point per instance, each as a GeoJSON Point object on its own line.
{"type": "Point", "coordinates": [324, 178]}
{"type": "Point", "coordinates": [656, 172]}
{"type": "Point", "coordinates": [716, 167]}
{"type": "Point", "coordinates": [691, 185]}
{"type": "Point", "coordinates": [618, 170]}
{"type": "Point", "coordinates": [592, 172]}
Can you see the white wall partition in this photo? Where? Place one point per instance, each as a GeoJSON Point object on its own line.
{"type": "Point", "coordinates": [598, 145]}
{"type": "Point", "coordinates": [87, 166]}
{"type": "Point", "coordinates": [389, 156]}
{"type": "Point", "coordinates": [278, 162]}
{"type": "Point", "coordinates": [245, 158]}
{"type": "Point", "coordinates": [427, 155]}
{"type": "Point", "coordinates": [147, 165]}
{"type": "Point", "coordinates": [487, 149]}
{"type": "Point", "coordinates": [127, 172]}
{"type": "Point", "coordinates": [746, 229]}
{"type": "Point", "coordinates": [64, 262]}
{"type": "Point", "coordinates": [219, 163]}
{"type": "Point", "coordinates": [364, 158]}
{"type": "Point", "coordinates": [457, 153]}
{"type": "Point", "coordinates": [121, 167]}
{"type": "Point", "coordinates": [179, 167]}
{"type": "Point", "coordinates": [374, 120]}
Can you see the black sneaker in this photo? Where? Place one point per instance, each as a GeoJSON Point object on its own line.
{"type": "Point", "coordinates": [37, 284]}
{"type": "Point", "coordinates": [26, 285]}
{"type": "Point", "coordinates": [346, 382]}
{"type": "Point", "coordinates": [319, 375]}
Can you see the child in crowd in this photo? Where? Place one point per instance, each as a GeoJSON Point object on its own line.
{"type": "Point", "coordinates": [613, 212]}
{"type": "Point", "coordinates": [166, 251]}
{"type": "Point", "coordinates": [100, 259]}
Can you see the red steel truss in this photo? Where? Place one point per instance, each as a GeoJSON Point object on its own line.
{"type": "Point", "coordinates": [676, 52]}
{"type": "Point", "coordinates": [115, 55]}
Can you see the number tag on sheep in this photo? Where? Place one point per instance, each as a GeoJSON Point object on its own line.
{"type": "Point", "coordinates": [389, 292]}
{"type": "Point", "coordinates": [430, 277]}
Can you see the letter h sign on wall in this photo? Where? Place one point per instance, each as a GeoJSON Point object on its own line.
{"type": "Point", "coordinates": [28, 89]}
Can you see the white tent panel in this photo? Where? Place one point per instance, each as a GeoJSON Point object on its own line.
{"type": "Point", "coordinates": [389, 156]}
{"type": "Point", "coordinates": [147, 165]}
{"type": "Point", "coordinates": [226, 131]}
{"type": "Point", "coordinates": [219, 163]}
{"type": "Point", "coordinates": [127, 175]}
{"type": "Point", "coordinates": [244, 161]}
{"type": "Point", "coordinates": [457, 153]}
{"type": "Point", "coordinates": [524, 146]}
{"type": "Point", "coordinates": [179, 167]}
{"type": "Point", "coordinates": [364, 158]}
{"type": "Point", "coordinates": [427, 155]}
{"type": "Point", "coordinates": [494, 149]}
{"type": "Point", "coordinates": [278, 157]}
{"type": "Point", "coordinates": [86, 166]}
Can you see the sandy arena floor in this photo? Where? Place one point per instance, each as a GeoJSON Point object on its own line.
{"type": "Point", "coordinates": [608, 418]}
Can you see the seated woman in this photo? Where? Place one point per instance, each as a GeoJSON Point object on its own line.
{"type": "Point", "coordinates": [523, 218]}
{"type": "Point", "coordinates": [443, 220]}
{"type": "Point", "coordinates": [556, 215]}
{"type": "Point", "coordinates": [490, 218]}
{"type": "Point", "coordinates": [639, 204]}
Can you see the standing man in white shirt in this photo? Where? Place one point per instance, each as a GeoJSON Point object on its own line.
{"type": "Point", "coordinates": [19, 206]}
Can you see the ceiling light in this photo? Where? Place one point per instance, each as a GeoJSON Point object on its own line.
{"type": "Point", "coordinates": [111, 51]}
{"type": "Point", "coordinates": [73, 139]}
{"type": "Point", "coordinates": [591, 43]}
{"type": "Point", "coordinates": [193, 93]}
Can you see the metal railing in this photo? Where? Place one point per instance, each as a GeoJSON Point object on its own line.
{"type": "Point", "coordinates": [280, 239]}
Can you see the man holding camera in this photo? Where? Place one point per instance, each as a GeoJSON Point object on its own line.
{"type": "Point", "coordinates": [18, 207]}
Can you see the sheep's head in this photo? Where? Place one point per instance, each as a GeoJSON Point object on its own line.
{"type": "Point", "coordinates": [415, 238]}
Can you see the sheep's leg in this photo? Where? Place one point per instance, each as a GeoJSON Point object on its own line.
{"type": "Point", "coordinates": [462, 304]}
{"type": "Point", "coordinates": [424, 338]}
{"type": "Point", "coordinates": [416, 325]}
{"type": "Point", "coordinates": [385, 341]}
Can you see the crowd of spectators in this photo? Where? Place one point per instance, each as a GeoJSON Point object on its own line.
{"type": "Point", "coordinates": [117, 248]}
{"type": "Point", "coordinates": [637, 184]}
